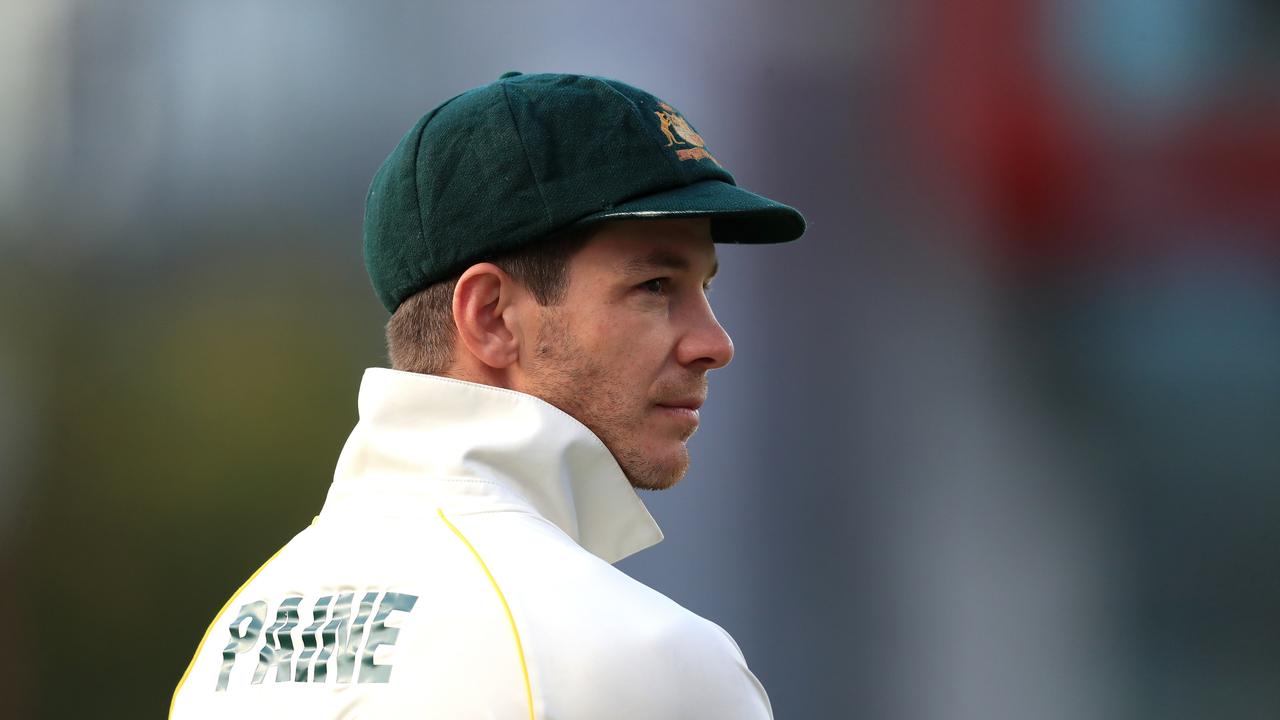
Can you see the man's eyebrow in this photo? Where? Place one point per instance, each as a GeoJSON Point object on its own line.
{"type": "Point", "coordinates": [662, 260]}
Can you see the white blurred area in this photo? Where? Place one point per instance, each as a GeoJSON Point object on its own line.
{"type": "Point", "coordinates": [34, 83]}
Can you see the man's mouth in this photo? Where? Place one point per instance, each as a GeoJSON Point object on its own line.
{"type": "Point", "coordinates": [692, 403]}
{"type": "Point", "coordinates": [683, 409]}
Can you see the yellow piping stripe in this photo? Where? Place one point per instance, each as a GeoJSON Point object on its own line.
{"type": "Point", "coordinates": [528, 690]}
{"type": "Point", "coordinates": [208, 631]}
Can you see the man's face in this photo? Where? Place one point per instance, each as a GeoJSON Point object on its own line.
{"type": "Point", "coordinates": [628, 350]}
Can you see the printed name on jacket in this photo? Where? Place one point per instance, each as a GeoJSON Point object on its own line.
{"type": "Point", "coordinates": [335, 646]}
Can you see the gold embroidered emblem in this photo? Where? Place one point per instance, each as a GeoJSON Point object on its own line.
{"type": "Point", "coordinates": [679, 132]}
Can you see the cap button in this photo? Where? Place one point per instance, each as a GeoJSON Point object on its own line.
{"type": "Point", "coordinates": [509, 73]}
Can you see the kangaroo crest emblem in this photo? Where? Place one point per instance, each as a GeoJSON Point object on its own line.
{"type": "Point", "coordinates": [679, 132]}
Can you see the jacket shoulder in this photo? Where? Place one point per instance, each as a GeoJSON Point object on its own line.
{"type": "Point", "coordinates": [599, 643]}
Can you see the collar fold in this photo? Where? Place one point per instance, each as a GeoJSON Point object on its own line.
{"type": "Point", "coordinates": [415, 429]}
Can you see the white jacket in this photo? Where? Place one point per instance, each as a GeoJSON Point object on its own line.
{"type": "Point", "coordinates": [461, 568]}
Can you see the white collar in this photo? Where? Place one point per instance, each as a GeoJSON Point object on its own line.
{"type": "Point", "coordinates": [416, 428]}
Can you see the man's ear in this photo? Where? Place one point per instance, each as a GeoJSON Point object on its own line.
{"type": "Point", "coordinates": [481, 302]}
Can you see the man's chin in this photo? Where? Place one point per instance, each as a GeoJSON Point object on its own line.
{"type": "Point", "coordinates": [650, 483]}
{"type": "Point", "coordinates": [648, 474]}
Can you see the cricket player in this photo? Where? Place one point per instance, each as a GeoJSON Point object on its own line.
{"type": "Point", "coordinates": [544, 244]}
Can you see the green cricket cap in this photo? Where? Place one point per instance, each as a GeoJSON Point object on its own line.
{"type": "Point", "coordinates": [514, 161]}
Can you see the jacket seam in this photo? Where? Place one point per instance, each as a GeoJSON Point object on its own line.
{"type": "Point", "coordinates": [515, 632]}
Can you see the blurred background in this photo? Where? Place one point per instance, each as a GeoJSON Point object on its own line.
{"type": "Point", "coordinates": [1002, 436]}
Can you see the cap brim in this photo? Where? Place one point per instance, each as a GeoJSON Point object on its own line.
{"type": "Point", "coordinates": [737, 215]}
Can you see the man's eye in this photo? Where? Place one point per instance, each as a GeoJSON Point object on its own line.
{"type": "Point", "coordinates": [656, 286]}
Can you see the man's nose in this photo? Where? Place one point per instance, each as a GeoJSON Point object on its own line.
{"type": "Point", "coordinates": [706, 345]}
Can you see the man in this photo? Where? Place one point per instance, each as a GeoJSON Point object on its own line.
{"type": "Point", "coordinates": [544, 244]}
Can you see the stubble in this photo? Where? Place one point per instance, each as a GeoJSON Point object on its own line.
{"type": "Point", "coordinates": [565, 375]}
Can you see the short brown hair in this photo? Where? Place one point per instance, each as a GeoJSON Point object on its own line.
{"type": "Point", "coordinates": [420, 333]}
